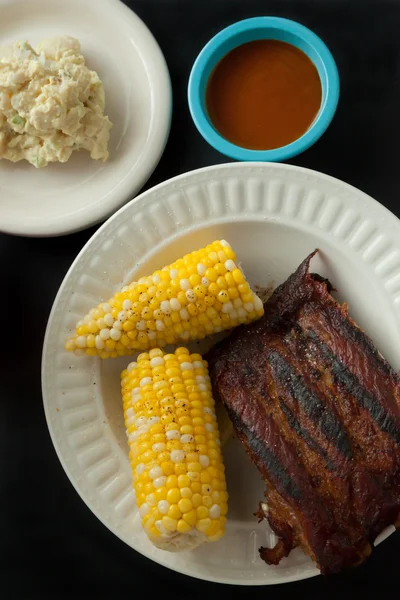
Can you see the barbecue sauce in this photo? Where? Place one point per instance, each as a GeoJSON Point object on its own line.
{"type": "Point", "coordinates": [263, 94]}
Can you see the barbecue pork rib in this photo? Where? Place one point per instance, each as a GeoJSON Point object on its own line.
{"type": "Point", "coordinates": [318, 410]}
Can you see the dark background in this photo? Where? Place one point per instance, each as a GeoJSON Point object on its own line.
{"type": "Point", "coordinates": [51, 545]}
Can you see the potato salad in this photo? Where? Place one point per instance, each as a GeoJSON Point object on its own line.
{"type": "Point", "coordinates": [51, 103]}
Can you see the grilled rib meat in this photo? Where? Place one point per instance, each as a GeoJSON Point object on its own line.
{"type": "Point", "coordinates": [318, 411]}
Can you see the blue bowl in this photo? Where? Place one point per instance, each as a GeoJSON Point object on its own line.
{"type": "Point", "coordinates": [261, 28]}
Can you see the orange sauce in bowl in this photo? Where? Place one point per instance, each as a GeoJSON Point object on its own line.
{"type": "Point", "coordinates": [263, 95]}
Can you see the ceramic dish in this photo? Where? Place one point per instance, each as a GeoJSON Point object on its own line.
{"type": "Point", "coordinates": [249, 30]}
{"type": "Point", "coordinates": [274, 215]}
{"type": "Point", "coordinates": [62, 198]}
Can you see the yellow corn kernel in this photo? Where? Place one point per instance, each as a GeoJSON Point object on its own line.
{"type": "Point", "coordinates": [220, 269]}
{"type": "Point", "coordinates": [196, 500]}
{"type": "Point", "coordinates": [185, 505]}
{"type": "Point", "coordinates": [214, 527]}
{"type": "Point", "coordinates": [196, 467]}
{"type": "Point", "coordinates": [167, 467]}
{"type": "Point", "coordinates": [183, 481]}
{"type": "Point", "coordinates": [207, 501]}
{"type": "Point", "coordinates": [169, 523]}
{"type": "Point", "coordinates": [186, 492]}
{"type": "Point", "coordinates": [190, 517]}
{"type": "Point", "coordinates": [203, 525]}
{"type": "Point", "coordinates": [238, 276]}
{"type": "Point", "coordinates": [174, 512]}
{"type": "Point", "coordinates": [91, 352]}
{"type": "Point", "coordinates": [216, 537]}
{"type": "Point", "coordinates": [172, 482]}
{"type": "Point", "coordinates": [180, 468]}
{"type": "Point", "coordinates": [213, 289]}
{"type": "Point", "coordinates": [205, 477]}
{"type": "Point", "coordinates": [183, 526]}
{"type": "Point", "coordinates": [173, 496]}
{"type": "Point", "coordinates": [202, 512]}
{"type": "Point", "coordinates": [160, 493]}
{"type": "Point", "coordinates": [171, 306]}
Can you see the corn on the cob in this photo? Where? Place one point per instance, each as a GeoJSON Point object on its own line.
{"type": "Point", "coordinates": [202, 293]}
{"type": "Point", "coordinates": [178, 473]}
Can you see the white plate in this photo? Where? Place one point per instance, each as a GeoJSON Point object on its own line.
{"type": "Point", "coordinates": [274, 215]}
{"type": "Point", "coordinates": [62, 198]}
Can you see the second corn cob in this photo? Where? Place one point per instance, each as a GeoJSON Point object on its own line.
{"type": "Point", "coordinates": [178, 473]}
{"type": "Point", "coordinates": [204, 292]}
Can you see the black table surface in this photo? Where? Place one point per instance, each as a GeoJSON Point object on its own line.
{"type": "Point", "coordinates": [51, 545]}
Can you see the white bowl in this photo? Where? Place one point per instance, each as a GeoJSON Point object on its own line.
{"type": "Point", "coordinates": [62, 198]}
{"type": "Point", "coordinates": [274, 216]}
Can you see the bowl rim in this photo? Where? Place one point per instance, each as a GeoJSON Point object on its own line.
{"type": "Point", "coordinates": [321, 122]}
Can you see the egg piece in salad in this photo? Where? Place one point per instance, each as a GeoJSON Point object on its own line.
{"type": "Point", "coordinates": [51, 103]}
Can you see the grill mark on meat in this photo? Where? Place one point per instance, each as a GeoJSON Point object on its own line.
{"type": "Point", "coordinates": [296, 422]}
{"type": "Point", "coordinates": [283, 481]}
{"type": "Point", "coordinates": [350, 384]}
{"type": "Point", "coordinates": [386, 423]}
{"type": "Point", "coordinates": [371, 447]}
{"type": "Point", "coordinates": [347, 329]}
{"type": "Point", "coordinates": [312, 405]}
{"type": "Point", "coordinates": [303, 433]}
{"type": "Point", "coordinates": [275, 456]}
{"type": "Point", "coordinates": [352, 347]}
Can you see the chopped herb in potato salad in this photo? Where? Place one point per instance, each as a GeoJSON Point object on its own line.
{"type": "Point", "coordinates": [51, 104]}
